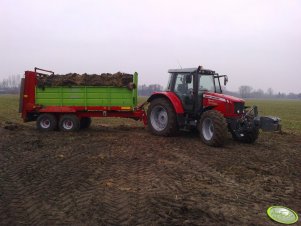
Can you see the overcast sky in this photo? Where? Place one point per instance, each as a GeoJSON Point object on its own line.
{"type": "Point", "coordinates": [254, 42]}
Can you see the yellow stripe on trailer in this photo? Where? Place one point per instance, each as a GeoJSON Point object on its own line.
{"type": "Point", "coordinates": [126, 108]}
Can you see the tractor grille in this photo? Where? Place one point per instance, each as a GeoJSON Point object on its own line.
{"type": "Point", "coordinates": [239, 107]}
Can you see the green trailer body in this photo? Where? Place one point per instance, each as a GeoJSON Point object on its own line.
{"type": "Point", "coordinates": [87, 96]}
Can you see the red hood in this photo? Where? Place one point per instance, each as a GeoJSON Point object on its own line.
{"type": "Point", "coordinates": [227, 97]}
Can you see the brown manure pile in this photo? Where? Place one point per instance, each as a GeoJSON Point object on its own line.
{"type": "Point", "coordinates": [118, 79]}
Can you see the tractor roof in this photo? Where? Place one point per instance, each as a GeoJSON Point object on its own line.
{"type": "Point", "coordinates": [191, 70]}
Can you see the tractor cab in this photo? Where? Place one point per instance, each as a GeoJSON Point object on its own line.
{"type": "Point", "coordinates": [190, 84]}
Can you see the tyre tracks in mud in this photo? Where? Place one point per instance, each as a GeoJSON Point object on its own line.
{"type": "Point", "coordinates": [133, 178]}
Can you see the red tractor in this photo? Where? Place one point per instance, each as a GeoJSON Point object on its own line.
{"type": "Point", "coordinates": [194, 99]}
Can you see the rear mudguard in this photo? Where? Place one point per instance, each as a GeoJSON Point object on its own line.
{"type": "Point", "coordinates": [174, 100]}
{"type": "Point", "coordinates": [172, 97]}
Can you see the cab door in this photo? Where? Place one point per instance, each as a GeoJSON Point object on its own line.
{"type": "Point", "coordinates": [183, 88]}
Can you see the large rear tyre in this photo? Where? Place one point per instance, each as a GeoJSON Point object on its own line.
{"type": "Point", "coordinates": [213, 128]}
{"type": "Point", "coordinates": [162, 118]}
{"type": "Point", "coordinates": [46, 122]}
{"type": "Point", "coordinates": [85, 122]}
{"type": "Point", "coordinates": [69, 123]}
{"type": "Point", "coordinates": [248, 137]}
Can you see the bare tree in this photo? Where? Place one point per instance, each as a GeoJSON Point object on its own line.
{"type": "Point", "coordinates": [10, 84]}
{"type": "Point", "coordinates": [144, 90]}
{"type": "Point", "coordinates": [257, 93]}
{"type": "Point", "coordinates": [270, 92]}
{"type": "Point", "coordinates": [245, 91]}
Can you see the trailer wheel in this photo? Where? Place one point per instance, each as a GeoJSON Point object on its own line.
{"type": "Point", "coordinates": [162, 118]}
{"type": "Point", "coordinates": [213, 128]}
{"type": "Point", "coordinates": [69, 123]}
{"type": "Point", "coordinates": [46, 122]}
{"type": "Point", "coordinates": [85, 122]}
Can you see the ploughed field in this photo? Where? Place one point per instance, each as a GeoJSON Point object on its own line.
{"type": "Point", "coordinates": [116, 173]}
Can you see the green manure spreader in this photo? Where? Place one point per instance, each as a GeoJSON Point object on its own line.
{"type": "Point", "coordinates": [68, 102]}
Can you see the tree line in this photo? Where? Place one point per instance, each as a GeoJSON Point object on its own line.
{"type": "Point", "coordinates": [147, 90]}
{"type": "Point", "coordinates": [10, 84]}
{"type": "Point", "coordinates": [246, 91]}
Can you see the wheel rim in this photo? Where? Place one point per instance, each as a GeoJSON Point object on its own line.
{"type": "Point", "coordinates": [45, 123]}
{"type": "Point", "coordinates": [159, 118]}
{"type": "Point", "coordinates": [207, 129]}
{"type": "Point", "coordinates": [67, 124]}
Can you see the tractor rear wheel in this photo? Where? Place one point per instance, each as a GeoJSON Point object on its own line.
{"type": "Point", "coordinates": [162, 118]}
{"type": "Point", "coordinates": [69, 123]}
{"type": "Point", "coordinates": [46, 122]}
{"type": "Point", "coordinates": [213, 128]}
{"type": "Point", "coordinates": [85, 122]}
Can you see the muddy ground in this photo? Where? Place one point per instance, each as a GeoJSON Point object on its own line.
{"type": "Point", "coordinates": [124, 176]}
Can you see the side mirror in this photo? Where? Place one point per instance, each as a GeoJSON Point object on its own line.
{"type": "Point", "coordinates": [225, 80]}
{"type": "Point", "coordinates": [188, 78]}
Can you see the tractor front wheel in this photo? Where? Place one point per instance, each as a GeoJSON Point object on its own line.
{"type": "Point", "coordinates": [213, 128]}
{"type": "Point", "coordinates": [161, 117]}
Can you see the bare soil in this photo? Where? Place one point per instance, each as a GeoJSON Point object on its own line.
{"type": "Point", "coordinates": [125, 176]}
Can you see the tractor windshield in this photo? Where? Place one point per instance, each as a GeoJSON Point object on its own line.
{"type": "Point", "coordinates": [209, 83]}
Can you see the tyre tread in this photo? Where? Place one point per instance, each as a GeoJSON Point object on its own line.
{"type": "Point", "coordinates": [172, 126]}
{"type": "Point", "coordinates": [220, 128]}
{"type": "Point", "coordinates": [52, 119]}
{"type": "Point", "coordinates": [72, 117]}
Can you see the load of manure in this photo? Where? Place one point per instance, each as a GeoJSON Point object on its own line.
{"type": "Point", "coordinates": [118, 79]}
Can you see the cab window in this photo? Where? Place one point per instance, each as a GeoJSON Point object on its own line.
{"type": "Point", "coordinates": [182, 86]}
{"type": "Point", "coordinates": [206, 83]}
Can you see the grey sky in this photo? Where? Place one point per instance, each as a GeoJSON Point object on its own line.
{"type": "Point", "coordinates": [255, 42]}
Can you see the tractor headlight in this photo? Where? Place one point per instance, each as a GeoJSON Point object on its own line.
{"type": "Point", "coordinates": [238, 107]}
